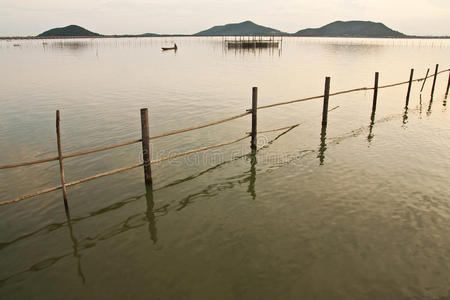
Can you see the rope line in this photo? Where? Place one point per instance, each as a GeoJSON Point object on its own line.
{"type": "Point", "coordinates": [70, 155]}
{"type": "Point", "coordinates": [35, 162]}
{"type": "Point", "coordinates": [279, 129]}
{"type": "Point", "coordinates": [200, 126]}
{"type": "Point", "coordinates": [289, 102]}
{"type": "Point", "coordinates": [31, 195]}
{"type": "Point", "coordinates": [198, 150]}
{"type": "Point", "coordinates": [48, 190]}
{"type": "Point", "coordinates": [104, 174]}
{"type": "Point", "coordinates": [102, 148]}
{"type": "Point", "coordinates": [334, 108]}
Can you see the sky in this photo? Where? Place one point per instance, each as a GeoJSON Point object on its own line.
{"type": "Point", "coordinates": [31, 17]}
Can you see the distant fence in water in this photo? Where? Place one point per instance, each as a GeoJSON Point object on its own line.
{"type": "Point", "coordinates": [146, 138]}
{"type": "Point", "coordinates": [251, 42]}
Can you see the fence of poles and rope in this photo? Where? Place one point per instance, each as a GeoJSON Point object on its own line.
{"type": "Point", "coordinates": [146, 137]}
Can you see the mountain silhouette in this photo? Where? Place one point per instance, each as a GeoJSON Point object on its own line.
{"type": "Point", "coordinates": [244, 28]}
{"type": "Point", "coordinates": [71, 30]}
{"type": "Point", "coordinates": [351, 29]}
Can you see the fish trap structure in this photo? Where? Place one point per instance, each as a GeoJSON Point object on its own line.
{"type": "Point", "coordinates": [146, 161]}
{"type": "Point", "coordinates": [252, 42]}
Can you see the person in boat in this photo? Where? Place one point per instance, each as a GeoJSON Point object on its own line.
{"type": "Point", "coordinates": [175, 46]}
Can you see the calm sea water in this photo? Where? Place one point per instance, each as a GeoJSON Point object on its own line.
{"type": "Point", "coordinates": [357, 211]}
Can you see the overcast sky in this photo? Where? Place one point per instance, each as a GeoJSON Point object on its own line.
{"type": "Point", "coordinates": [31, 17]}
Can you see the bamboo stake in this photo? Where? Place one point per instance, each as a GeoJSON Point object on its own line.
{"type": "Point", "coordinates": [409, 87]}
{"type": "Point", "coordinates": [325, 101]}
{"type": "Point", "coordinates": [146, 146]}
{"type": "Point", "coordinates": [254, 117]}
{"type": "Point", "coordinates": [60, 156]}
{"type": "Point", "coordinates": [375, 93]}
{"type": "Point", "coordinates": [434, 81]}
{"type": "Point", "coordinates": [425, 80]}
{"type": "Point", "coordinates": [448, 86]}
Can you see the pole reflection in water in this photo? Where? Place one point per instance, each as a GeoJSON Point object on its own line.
{"type": "Point", "coordinates": [76, 254]}
{"type": "Point", "coordinates": [372, 123]}
{"type": "Point", "coordinates": [420, 106]}
{"type": "Point", "coordinates": [150, 213]}
{"type": "Point", "coordinates": [429, 107]}
{"type": "Point", "coordinates": [252, 176]}
{"type": "Point", "coordinates": [271, 51]}
{"type": "Point", "coordinates": [323, 144]}
{"type": "Point", "coordinates": [405, 116]}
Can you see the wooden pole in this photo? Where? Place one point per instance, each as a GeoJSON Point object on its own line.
{"type": "Point", "coordinates": [375, 93]}
{"type": "Point", "coordinates": [425, 80]}
{"type": "Point", "coordinates": [326, 97]}
{"type": "Point", "coordinates": [146, 146]}
{"type": "Point", "coordinates": [434, 81]}
{"type": "Point", "coordinates": [448, 86]}
{"type": "Point", "coordinates": [60, 158]}
{"type": "Point", "coordinates": [254, 115]}
{"type": "Point", "coordinates": [409, 87]}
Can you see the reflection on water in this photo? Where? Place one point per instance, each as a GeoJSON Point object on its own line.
{"type": "Point", "coordinates": [323, 144]}
{"type": "Point", "coordinates": [131, 222]}
{"type": "Point", "coordinates": [252, 175]}
{"type": "Point", "coordinates": [271, 51]}
{"type": "Point", "coordinates": [75, 246]}
{"type": "Point", "coordinates": [151, 214]}
{"type": "Point", "coordinates": [148, 218]}
{"type": "Point", "coordinates": [420, 106]}
{"type": "Point", "coordinates": [371, 125]}
{"type": "Point", "coordinates": [430, 104]}
{"type": "Point", "coordinates": [405, 116]}
{"type": "Point", "coordinates": [71, 45]}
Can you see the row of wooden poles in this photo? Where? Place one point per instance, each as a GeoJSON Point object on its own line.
{"type": "Point", "coordinates": [254, 38]}
{"type": "Point", "coordinates": [146, 138]}
{"type": "Point", "coordinates": [376, 87]}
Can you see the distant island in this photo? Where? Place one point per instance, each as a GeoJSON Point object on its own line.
{"type": "Point", "coordinates": [244, 28]}
{"type": "Point", "coordinates": [362, 29]}
{"type": "Point", "coordinates": [71, 30]}
{"type": "Point", "coordinates": [352, 29]}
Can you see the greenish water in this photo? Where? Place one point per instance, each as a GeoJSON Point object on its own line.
{"type": "Point", "coordinates": [357, 211]}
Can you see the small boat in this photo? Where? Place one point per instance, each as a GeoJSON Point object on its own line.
{"type": "Point", "coordinates": [171, 48]}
